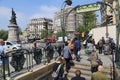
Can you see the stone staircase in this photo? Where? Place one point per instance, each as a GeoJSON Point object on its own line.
{"type": "Point", "coordinates": [85, 70]}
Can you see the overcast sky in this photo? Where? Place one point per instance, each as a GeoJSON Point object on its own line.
{"type": "Point", "coordinates": [27, 9]}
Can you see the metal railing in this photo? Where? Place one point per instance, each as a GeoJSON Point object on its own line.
{"type": "Point", "coordinates": [20, 61]}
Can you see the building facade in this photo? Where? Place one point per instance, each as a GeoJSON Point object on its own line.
{"type": "Point", "coordinates": [35, 27]}
{"type": "Point", "coordinates": [70, 22]}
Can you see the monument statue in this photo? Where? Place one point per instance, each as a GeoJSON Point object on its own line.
{"type": "Point", "coordinates": [13, 34]}
{"type": "Point", "coordinates": [13, 17]}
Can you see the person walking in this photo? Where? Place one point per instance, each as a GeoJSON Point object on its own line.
{"type": "Point", "coordinates": [58, 68]}
{"type": "Point", "coordinates": [99, 75]}
{"type": "Point", "coordinates": [100, 46]}
{"type": "Point", "coordinates": [77, 48]}
{"type": "Point", "coordinates": [90, 46]}
{"type": "Point", "coordinates": [78, 76]}
{"type": "Point", "coordinates": [66, 54]}
{"type": "Point", "coordinates": [94, 61]}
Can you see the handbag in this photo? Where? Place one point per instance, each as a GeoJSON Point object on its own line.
{"type": "Point", "coordinates": [55, 73]}
{"type": "Point", "coordinates": [78, 53]}
{"type": "Point", "coordinates": [94, 63]}
{"type": "Point", "coordinates": [99, 62]}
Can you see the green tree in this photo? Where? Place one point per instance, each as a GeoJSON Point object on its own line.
{"type": "Point", "coordinates": [59, 34]}
{"type": "Point", "coordinates": [89, 20]}
{"type": "Point", "coordinates": [19, 31]}
{"type": "Point", "coordinates": [43, 33]}
{"type": "Point", "coordinates": [4, 34]}
{"type": "Point", "coordinates": [80, 29]}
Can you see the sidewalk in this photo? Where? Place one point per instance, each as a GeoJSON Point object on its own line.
{"type": "Point", "coordinates": [107, 59]}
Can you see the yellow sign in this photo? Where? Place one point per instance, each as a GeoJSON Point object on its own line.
{"type": "Point", "coordinates": [87, 8]}
{"type": "Point", "coordinates": [83, 34]}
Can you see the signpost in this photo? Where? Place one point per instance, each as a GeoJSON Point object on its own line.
{"type": "Point", "coordinates": [87, 8]}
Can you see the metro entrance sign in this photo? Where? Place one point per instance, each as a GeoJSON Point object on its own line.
{"type": "Point", "coordinates": [87, 8]}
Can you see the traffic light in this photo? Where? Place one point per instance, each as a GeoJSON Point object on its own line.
{"type": "Point", "coordinates": [46, 25]}
{"type": "Point", "coordinates": [69, 2]}
{"type": "Point", "coordinates": [109, 19]}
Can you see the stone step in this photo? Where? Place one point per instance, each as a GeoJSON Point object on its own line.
{"type": "Point", "coordinates": [87, 77]}
{"type": "Point", "coordinates": [83, 66]}
{"type": "Point", "coordinates": [83, 72]}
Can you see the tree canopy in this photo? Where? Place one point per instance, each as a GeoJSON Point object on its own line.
{"type": "Point", "coordinates": [89, 22]}
{"type": "Point", "coordinates": [3, 34]}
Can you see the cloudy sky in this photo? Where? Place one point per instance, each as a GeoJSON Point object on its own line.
{"type": "Point", "coordinates": [27, 9]}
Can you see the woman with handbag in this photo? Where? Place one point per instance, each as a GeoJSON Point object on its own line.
{"type": "Point", "coordinates": [58, 69]}
{"type": "Point", "coordinates": [94, 61]}
{"type": "Point", "coordinates": [66, 54]}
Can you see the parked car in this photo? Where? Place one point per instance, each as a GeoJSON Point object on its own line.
{"type": "Point", "coordinates": [9, 46]}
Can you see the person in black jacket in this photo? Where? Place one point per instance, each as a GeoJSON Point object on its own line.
{"type": "Point", "coordinates": [61, 70]}
{"type": "Point", "coordinates": [78, 76]}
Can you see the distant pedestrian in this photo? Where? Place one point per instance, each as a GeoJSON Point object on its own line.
{"type": "Point", "coordinates": [103, 40]}
{"type": "Point", "coordinates": [100, 46]}
{"type": "Point", "coordinates": [34, 43]}
{"type": "Point", "coordinates": [90, 47]}
{"type": "Point", "coordinates": [78, 76]}
{"type": "Point", "coordinates": [99, 75]}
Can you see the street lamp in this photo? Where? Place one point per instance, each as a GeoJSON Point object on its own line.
{"type": "Point", "coordinates": [66, 2]}
{"type": "Point", "coordinates": [36, 30]}
{"type": "Point", "coordinates": [117, 57]}
{"type": "Point", "coordinates": [46, 27]}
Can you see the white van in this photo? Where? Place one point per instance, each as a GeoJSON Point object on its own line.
{"type": "Point", "coordinates": [9, 46]}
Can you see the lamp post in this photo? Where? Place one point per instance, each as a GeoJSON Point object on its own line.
{"type": "Point", "coordinates": [46, 27]}
{"type": "Point", "coordinates": [36, 30]}
{"type": "Point", "coordinates": [66, 2]}
{"type": "Point", "coordinates": [118, 34]}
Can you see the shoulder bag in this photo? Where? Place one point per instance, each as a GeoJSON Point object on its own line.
{"type": "Point", "coordinates": [55, 73]}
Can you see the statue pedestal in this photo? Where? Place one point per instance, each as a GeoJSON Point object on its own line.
{"type": "Point", "coordinates": [13, 33]}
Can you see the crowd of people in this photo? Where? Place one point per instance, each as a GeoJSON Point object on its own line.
{"type": "Point", "coordinates": [71, 52]}
{"type": "Point", "coordinates": [104, 45]}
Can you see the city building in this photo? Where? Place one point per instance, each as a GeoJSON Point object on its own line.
{"type": "Point", "coordinates": [107, 12]}
{"type": "Point", "coordinates": [71, 21]}
{"type": "Point", "coordinates": [34, 28]}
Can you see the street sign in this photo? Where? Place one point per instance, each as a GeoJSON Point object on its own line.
{"type": "Point", "coordinates": [88, 7]}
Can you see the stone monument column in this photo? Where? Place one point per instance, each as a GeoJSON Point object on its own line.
{"type": "Point", "coordinates": [13, 33]}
